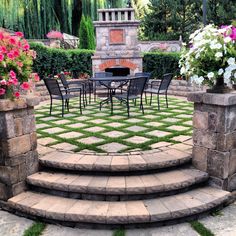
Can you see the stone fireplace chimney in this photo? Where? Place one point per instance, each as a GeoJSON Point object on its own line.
{"type": "Point", "coordinates": [117, 40]}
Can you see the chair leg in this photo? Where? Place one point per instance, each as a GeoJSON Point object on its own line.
{"type": "Point", "coordinates": [166, 101]}
{"type": "Point", "coordinates": [158, 101]}
{"type": "Point", "coordinates": [145, 97]}
{"type": "Point", "coordinates": [135, 102]}
{"type": "Point", "coordinates": [67, 104]}
{"type": "Point", "coordinates": [111, 99]}
{"type": "Point", "coordinates": [128, 107]}
{"type": "Point", "coordinates": [51, 107]}
{"type": "Point", "coordinates": [63, 108]}
{"type": "Point", "coordinates": [80, 106]}
{"type": "Point", "coordinates": [151, 100]}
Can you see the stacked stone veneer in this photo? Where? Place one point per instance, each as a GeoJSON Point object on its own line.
{"type": "Point", "coordinates": [18, 143]}
{"type": "Point", "coordinates": [116, 41]}
{"type": "Point", "coordinates": [214, 137]}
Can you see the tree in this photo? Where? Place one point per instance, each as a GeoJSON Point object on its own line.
{"type": "Point", "coordinates": [76, 16]}
{"type": "Point", "coordinates": [83, 34]}
{"type": "Point", "coordinates": [91, 35]}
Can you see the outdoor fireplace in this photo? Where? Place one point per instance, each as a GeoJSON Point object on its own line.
{"type": "Point", "coordinates": [116, 40]}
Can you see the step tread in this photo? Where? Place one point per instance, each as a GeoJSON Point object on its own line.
{"type": "Point", "coordinates": [126, 212]}
{"type": "Point", "coordinates": [121, 185]}
{"type": "Point", "coordinates": [116, 163]}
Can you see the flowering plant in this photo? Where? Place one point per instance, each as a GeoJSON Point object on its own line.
{"type": "Point", "coordinates": [211, 55]}
{"type": "Point", "coordinates": [54, 35]}
{"type": "Point", "coordinates": [16, 61]}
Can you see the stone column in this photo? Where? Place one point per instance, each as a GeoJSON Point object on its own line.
{"type": "Point", "coordinates": [214, 137]}
{"type": "Point", "coordinates": [18, 143]}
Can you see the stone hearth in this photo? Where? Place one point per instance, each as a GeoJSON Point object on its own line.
{"type": "Point", "coordinates": [116, 34]}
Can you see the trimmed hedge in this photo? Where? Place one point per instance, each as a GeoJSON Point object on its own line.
{"type": "Point", "coordinates": [51, 61]}
{"type": "Point", "coordinates": [160, 63]}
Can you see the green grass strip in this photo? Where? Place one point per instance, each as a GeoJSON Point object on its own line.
{"type": "Point", "coordinates": [119, 232]}
{"type": "Point", "coordinates": [35, 229]}
{"type": "Point", "coordinates": [201, 229]}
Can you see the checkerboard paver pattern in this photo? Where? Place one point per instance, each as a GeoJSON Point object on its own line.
{"type": "Point", "coordinates": [99, 131]}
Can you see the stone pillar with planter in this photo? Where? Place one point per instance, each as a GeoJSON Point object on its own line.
{"type": "Point", "coordinates": [18, 145]}
{"type": "Point", "coordinates": [214, 137]}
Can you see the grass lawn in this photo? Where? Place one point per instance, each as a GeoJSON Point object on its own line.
{"type": "Point", "coordinates": [100, 131]}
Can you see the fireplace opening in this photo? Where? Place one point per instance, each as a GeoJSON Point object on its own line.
{"type": "Point", "coordinates": [119, 71]}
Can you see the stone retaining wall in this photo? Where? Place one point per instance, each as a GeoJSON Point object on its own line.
{"type": "Point", "coordinates": [177, 87]}
{"type": "Point", "coordinates": [18, 143]}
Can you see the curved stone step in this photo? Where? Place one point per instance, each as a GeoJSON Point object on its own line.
{"type": "Point", "coordinates": [129, 212]}
{"type": "Point", "coordinates": [163, 182]}
{"type": "Point", "coordinates": [116, 163]}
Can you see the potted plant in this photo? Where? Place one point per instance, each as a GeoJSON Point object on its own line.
{"type": "Point", "coordinates": [55, 37]}
{"type": "Point", "coordinates": [16, 61]}
{"type": "Point", "coordinates": [210, 60]}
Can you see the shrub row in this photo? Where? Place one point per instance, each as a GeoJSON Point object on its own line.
{"type": "Point", "coordinates": [52, 61]}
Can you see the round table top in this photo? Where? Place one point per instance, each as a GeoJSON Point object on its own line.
{"type": "Point", "coordinates": [112, 78]}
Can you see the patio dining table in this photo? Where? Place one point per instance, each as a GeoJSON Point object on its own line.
{"type": "Point", "coordinates": [112, 84]}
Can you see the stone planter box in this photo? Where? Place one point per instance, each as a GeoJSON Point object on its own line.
{"type": "Point", "coordinates": [18, 143]}
{"type": "Point", "coordinates": [214, 137]}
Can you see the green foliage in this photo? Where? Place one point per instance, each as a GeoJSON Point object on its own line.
{"type": "Point", "coordinates": [201, 229]}
{"type": "Point", "coordinates": [83, 34]}
{"type": "Point", "coordinates": [119, 232]}
{"type": "Point", "coordinates": [160, 63]}
{"type": "Point", "coordinates": [51, 61]}
{"type": "Point", "coordinates": [35, 230]}
{"type": "Point", "coordinates": [91, 35]}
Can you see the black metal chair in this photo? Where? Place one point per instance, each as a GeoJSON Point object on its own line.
{"type": "Point", "coordinates": [80, 87]}
{"type": "Point", "coordinates": [57, 93]}
{"type": "Point", "coordinates": [135, 90]}
{"type": "Point", "coordinates": [148, 75]}
{"type": "Point", "coordinates": [99, 86]}
{"type": "Point", "coordinates": [161, 90]}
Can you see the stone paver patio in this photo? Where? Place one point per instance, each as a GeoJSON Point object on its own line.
{"type": "Point", "coordinates": [97, 131]}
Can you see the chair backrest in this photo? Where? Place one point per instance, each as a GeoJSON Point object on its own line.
{"type": "Point", "coordinates": [148, 74]}
{"type": "Point", "coordinates": [102, 75]}
{"type": "Point", "coordinates": [165, 82]}
{"type": "Point", "coordinates": [63, 80]}
{"type": "Point", "coordinates": [137, 85]}
{"type": "Point", "coordinates": [53, 87]}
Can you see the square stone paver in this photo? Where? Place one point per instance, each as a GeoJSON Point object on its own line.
{"type": "Point", "coordinates": [114, 134]}
{"type": "Point", "coordinates": [90, 140]}
{"type": "Point", "coordinates": [181, 138]}
{"type": "Point", "coordinates": [94, 129]}
{"type": "Point", "coordinates": [158, 133]}
{"type": "Point", "coordinates": [160, 145]}
{"type": "Point", "coordinates": [54, 130]}
{"type": "Point", "coordinates": [137, 139]}
{"type": "Point", "coordinates": [134, 120]}
{"type": "Point", "coordinates": [82, 118]}
{"type": "Point", "coordinates": [136, 128]}
{"type": "Point", "coordinates": [190, 122]}
{"type": "Point", "coordinates": [40, 126]}
{"type": "Point", "coordinates": [46, 141]}
{"type": "Point", "coordinates": [115, 124]}
{"type": "Point", "coordinates": [171, 120]}
{"type": "Point", "coordinates": [184, 116]}
{"type": "Point", "coordinates": [98, 121]}
{"type": "Point", "coordinates": [155, 124]}
{"type": "Point", "coordinates": [61, 122]}
{"type": "Point", "coordinates": [49, 118]}
{"type": "Point", "coordinates": [116, 117]}
{"type": "Point", "coordinates": [177, 128]}
{"type": "Point", "coordinates": [71, 135]}
{"type": "Point", "coordinates": [70, 115]}
{"type": "Point", "coordinates": [64, 146]}
{"type": "Point", "coordinates": [150, 116]}
{"type": "Point", "coordinates": [77, 125]}
{"type": "Point", "coordinates": [100, 114]}
{"type": "Point", "coordinates": [113, 147]}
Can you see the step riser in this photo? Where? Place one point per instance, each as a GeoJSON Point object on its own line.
{"type": "Point", "coordinates": [110, 197]}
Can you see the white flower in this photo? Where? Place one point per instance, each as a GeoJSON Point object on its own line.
{"type": "Point", "coordinates": [214, 45]}
{"type": "Point", "coordinates": [227, 39]}
{"type": "Point", "coordinates": [210, 75]}
{"type": "Point", "coordinates": [231, 61]}
{"type": "Point", "coordinates": [182, 70]}
{"type": "Point", "coordinates": [235, 75]}
{"type": "Point", "coordinates": [227, 75]}
{"type": "Point", "coordinates": [196, 80]}
{"type": "Point", "coordinates": [220, 71]}
{"type": "Point", "coordinates": [219, 54]}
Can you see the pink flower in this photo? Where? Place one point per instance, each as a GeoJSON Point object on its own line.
{"type": "Point", "coordinates": [12, 74]}
{"type": "Point", "coordinates": [25, 86]}
{"type": "Point", "coordinates": [3, 49]}
{"type": "Point", "coordinates": [233, 33]}
{"type": "Point", "coordinates": [17, 94]}
{"type": "Point", "coordinates": [36, 77]}
{"type": "Point", "coordinates": [1, 57]}
{"type": "Point", "coordinates": [1, 35]}
{"type": "Point", "coordinates": [19, 34]}
{"type": "Point", "coordinates": [12, 82]}
{"type": "Point", "coordinates": [12, 41]}
{"type": "Point", "coordinates": [19, 63]}
{"type": "Point", "coordinates": [55, 35]}
{"type": "Point", "coordinates": [3, 82]}
{"type": "Point", "coordinates": [2, 91]}
{"type": "Point", "coordinates": [10, 56]}
{"type": "Point", "coordinates": [26, 47]}
{"type": "Point", "coordinates": [16, 53]}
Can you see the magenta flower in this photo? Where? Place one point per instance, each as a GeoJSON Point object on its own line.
{"type": "Point", "coordinates": [233, 33]}
{"type": "Point", "coordinates": [12, 74]}
{"type": "Point", "coordinates": [2, 91]}
{"type": "Point", "coordinates": [19, 34]}
{"type": "Point", "coordinates": [55, 35]}
{"type": "Point", "coordinates": [10, 56]}
{"type": "Point", "coordinates": [25, 86]}
{"type": "Point", "coordinates": [1, 57]}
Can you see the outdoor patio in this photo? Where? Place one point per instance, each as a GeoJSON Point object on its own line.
{"type": "Point", "coordinates": [99, 131]}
